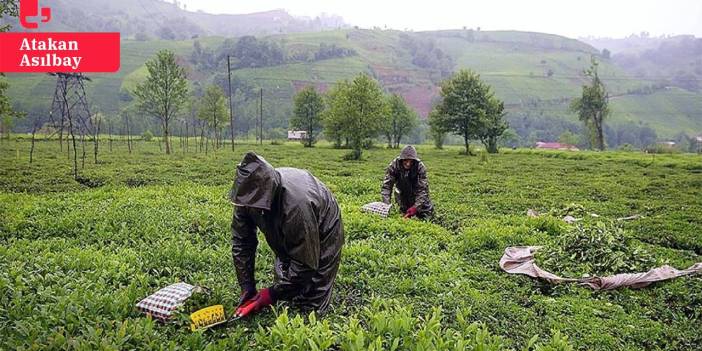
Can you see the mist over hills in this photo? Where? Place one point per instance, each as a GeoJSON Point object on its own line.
{"type": "Point", "coordinates": [156, 19]}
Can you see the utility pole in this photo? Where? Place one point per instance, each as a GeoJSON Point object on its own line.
{"type": "Point", "coordinates": [260, 138]}
{"type": "Point", "coordinates": [231, 106]}
{"type": "Point", "coordinates": [71, 103]}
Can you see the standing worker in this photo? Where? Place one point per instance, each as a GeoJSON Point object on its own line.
{"type": "Point", "coordinates": [301, 222]}
{"type": "Point", "coordinates": [408, 175]}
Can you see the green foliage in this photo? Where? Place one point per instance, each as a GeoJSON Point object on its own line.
{"type": "Point", "coordinates": [213, 107]}
{"type": "Point", "coordinates": [213, 111]}
{"type": "Point", "coordinates": [539, 106]}
{"type": "Point", "coordinates": [558, 342]}
{"type": "Point", "coordinates": [287, 334]}
{"type": "Point", "coordinates": [470, 109]}
{"type": "Point", "coordinates": [627, 147]}
{"type": "Point", "coordinates": [74, 260]}
{"type": "Point", "coordinates": [600, 248]}
{"type": "Point", "coordinates": [356, 111]}
{"type": "Point", "coordinates": [308, 106]}
{"type": "Point", "coordinates": [572, 209]}
{"type": "Point", "coordinates": [8, 8]}
{"type": "Point", "coordinates": [569, 137]}
{"type": "Point", "coordinates": [147, 136]}
{"type": "Point", "coordinates": [400, 121]}
{"type": "Point", "coordinates": [661, 149]}
{"type": "Point", "coordinates": [426, 53]}
{"type": "Point", "coordinates": [509, 138]}
{"type": "Point", "coordinates": [329, 51]}
{"type": "Point", "coordinates": [250, 52]}
{"type": "Point", "coordinates": [7, 113]}
{"type": "Point", "coordinates": [492, 125]}
{"type": "Point", "coordinates": [592, 107]}
{"type": "Point", "coordinates": [164, 92]}
{"type": "Point", "coordinates": [436, 129]}
{"type": "Point", "coordinates": [392, 327]}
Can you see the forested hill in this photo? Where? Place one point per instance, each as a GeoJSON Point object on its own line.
{"type": "Point", "coordinates": [536, 75]}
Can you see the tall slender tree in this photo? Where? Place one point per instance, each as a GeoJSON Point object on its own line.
{"type": "Point", "coordinates": [400, 121]}
{"type": "Point", "coordinates": [307, 114]}
{"type": "Point", "coordinates": [592, 107]}
{"type": "Point", "coordinates": [213, 110]}
{"type": "Point", "coordinates": [492, 124]}
{"type": "Point", "coordinates": [164, 92]}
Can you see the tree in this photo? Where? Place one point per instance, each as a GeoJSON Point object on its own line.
{"type": "Point", "coordinates": [334, 127]}
{"type": "Point", "coordinates": [8, 7]}
{"type": "Point", "coordinates": [568, 137]}
{"type": "Point", "coordinates": [166, 33]}
{"type": "Point", "coordinates": [647, 136]}
{"type": "Point", "coordinates": [492, 124]}
{"type": "Point", "coordinates": [164, 92]}
{"type": "Point", "coordinates": [213, 110]}
{"type": "Point", "coordinates": [593, 106]}
{"type": "Point", "coordinates": [438, 133]}
{"type": "Point", "coordinates": [356, 111]}
{"type": "Point", "coordinates": [251, 52]}
{"type": "Point", "coordinates": [509, 138]}
{"type": "Point", "coordinates": [307, 113]}
{"type": "Point", "coordinates": [469, 109]}
{"type": "Point", "coordinates": [400, 122]}
{"type": "Point", "coordinates": [7, 113]}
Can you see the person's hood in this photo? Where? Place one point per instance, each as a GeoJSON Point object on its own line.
{"type": "Point", "coordinates": [409, 153]}
{"type": "Point", "coordinates": [256, 183]}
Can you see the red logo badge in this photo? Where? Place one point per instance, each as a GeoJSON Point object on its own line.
{"type": "Point", "coordinates": [30, 8]}
{"type": "Point", "coordinates": [39, 52]}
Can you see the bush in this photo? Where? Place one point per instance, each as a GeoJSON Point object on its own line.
{"type": "Point", "coordinates": [389, 325]}
{"type": "Point", "coordinates": [661, 149]}
{"type": "Point", "coordinates": [147, 136]}
{"type": "Point", "coordinates": [627, 148]}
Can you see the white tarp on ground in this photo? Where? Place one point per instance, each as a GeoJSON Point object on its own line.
{"type": "Point", "coordinates": [520, 260]}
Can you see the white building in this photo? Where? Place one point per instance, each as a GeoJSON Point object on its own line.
{"type": "Point", "coordinates": [297, 135]}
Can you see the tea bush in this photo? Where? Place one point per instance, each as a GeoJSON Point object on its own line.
{"type": "Point", "coordinates": [75, 259]}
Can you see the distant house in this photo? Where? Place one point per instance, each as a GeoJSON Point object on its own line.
{"type": "Point", "coordinates": [556, 146]}
{"type": "Point", "coordinates": [666, 144]}
{"type": "Point", "coordinates": [297, 135]}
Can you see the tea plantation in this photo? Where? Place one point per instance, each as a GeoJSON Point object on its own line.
{"type": "Point", "coordinates": [76, 257]}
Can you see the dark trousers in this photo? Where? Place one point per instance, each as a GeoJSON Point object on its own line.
{"type": "Point", "coordinates": [316, 295]}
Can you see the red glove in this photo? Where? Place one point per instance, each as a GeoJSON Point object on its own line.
{"type": "Point", "coordinates": [257, 303]}
{"type": "Point", "coordinates": [246, 296]}
{"type": "Point", "coordinates": [411, 212]}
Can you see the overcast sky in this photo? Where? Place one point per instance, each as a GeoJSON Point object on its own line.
{"type": "Point", "coordinates": [602, 18]}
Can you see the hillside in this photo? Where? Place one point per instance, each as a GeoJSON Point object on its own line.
{"type": "Point", "coordinates": [535, 74]}
{"type": "Point", "coordinates": [669, 61]}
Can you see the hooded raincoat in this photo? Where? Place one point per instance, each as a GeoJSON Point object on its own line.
{"type": "Point", "coordinates": [301, 222]}
{"type": "Point", "coordinates": [411, 186]}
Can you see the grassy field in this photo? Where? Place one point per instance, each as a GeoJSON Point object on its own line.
{"type": "Point", "coordinates": [75, 258]}
{"type": "Point", "coordinates": [668, 111]}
